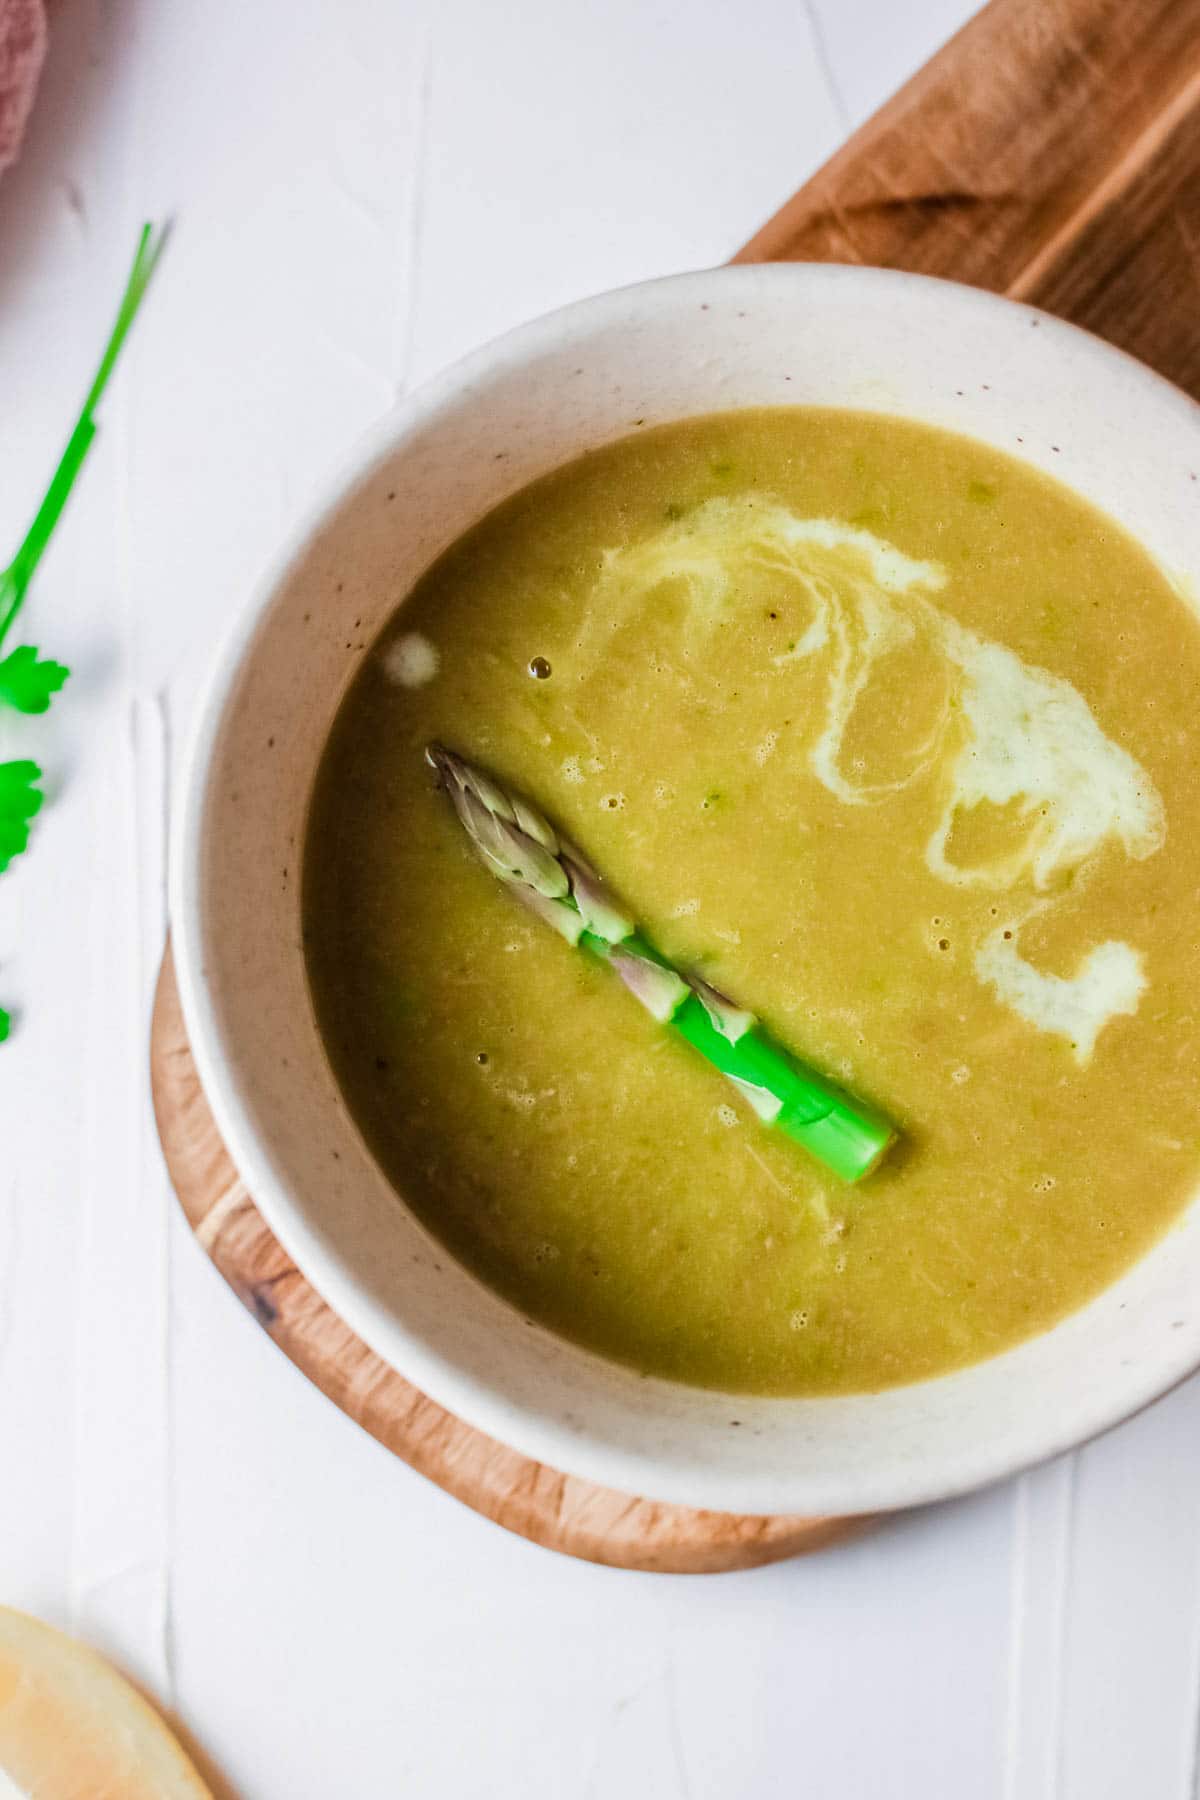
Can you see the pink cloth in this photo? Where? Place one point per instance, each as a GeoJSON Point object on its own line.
{"type": "Point", "coordinates": [22, 48]}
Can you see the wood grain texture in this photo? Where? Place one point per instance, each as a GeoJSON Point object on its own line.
{"type": "Point", "coordinates": [557, 1511]}
{"type": "Point", "coordinates": [1051, 152]}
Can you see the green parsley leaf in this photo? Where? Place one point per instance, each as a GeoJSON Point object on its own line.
{"type": "Point", "coordinates": [27, 680]}
{"type": "Point", "coordinates": [20, 799]}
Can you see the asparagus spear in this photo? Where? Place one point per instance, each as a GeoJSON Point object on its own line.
{"type": "Point", "coordinates": [552, 878]}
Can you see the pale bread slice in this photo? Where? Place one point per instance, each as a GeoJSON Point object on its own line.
{"type": "Point", "coordinates": [71, 1728]}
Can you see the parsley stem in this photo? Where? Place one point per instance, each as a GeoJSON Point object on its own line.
{"type": "Point", "coordinates": [16, 577]}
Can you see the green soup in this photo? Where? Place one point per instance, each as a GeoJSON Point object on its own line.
{"type": "Point", "coordinates": [893, 740]}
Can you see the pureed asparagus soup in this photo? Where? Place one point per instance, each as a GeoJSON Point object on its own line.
{"type": "Point", "coordinates": [890, 738]}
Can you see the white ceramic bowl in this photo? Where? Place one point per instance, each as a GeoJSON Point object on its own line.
{"type": "Point", "coordinates": [864, 338]}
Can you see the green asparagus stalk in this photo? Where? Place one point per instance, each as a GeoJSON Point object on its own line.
{"type": "Point", "coordinates": [556, 882]}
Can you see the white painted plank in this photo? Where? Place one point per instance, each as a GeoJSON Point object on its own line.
{"type": "Point", "coordinates": [105, 906]}
{"type": "Point", "coordinates": [878, 1669]}
{"type": "Point", "coordinates": [120, 1586]}
{"type": "Point", "coordinates": [573, 148]}
{"type": "Point", "coordinates": [871, 49]}
{"type": "Point", "coordinates": [283, 140]}
{"type": "Point", "coordinates": [1131, 1653]}
{"type": "Point", "coordinates": [448, 1655]}
{"type": "Point", "coordinates": [59, 903]}
{"type": "Point", "coordinates": [1044, 1523]}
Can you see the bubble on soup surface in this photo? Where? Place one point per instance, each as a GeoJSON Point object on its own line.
{"type": "Point", "coordinates": [571, 771]}
{"type": "Point", "coordinates": [410, 660]}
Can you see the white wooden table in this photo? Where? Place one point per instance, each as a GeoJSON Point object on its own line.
{"type": "Point", "coordinates": [364, 189]}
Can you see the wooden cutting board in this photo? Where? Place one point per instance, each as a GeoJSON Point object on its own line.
{"type": "Point", "coordinates": [1051, 152]}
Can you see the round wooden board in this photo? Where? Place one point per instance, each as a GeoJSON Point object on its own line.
{"type": "Point", "coordinates": [558, 1511]}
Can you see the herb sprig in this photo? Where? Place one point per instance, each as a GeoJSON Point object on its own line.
{"type": "Point", "coordinates": [29, 681]}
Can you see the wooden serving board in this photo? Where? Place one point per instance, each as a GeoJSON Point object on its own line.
{"type": "Point", "coordinates": [1051, 152]}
